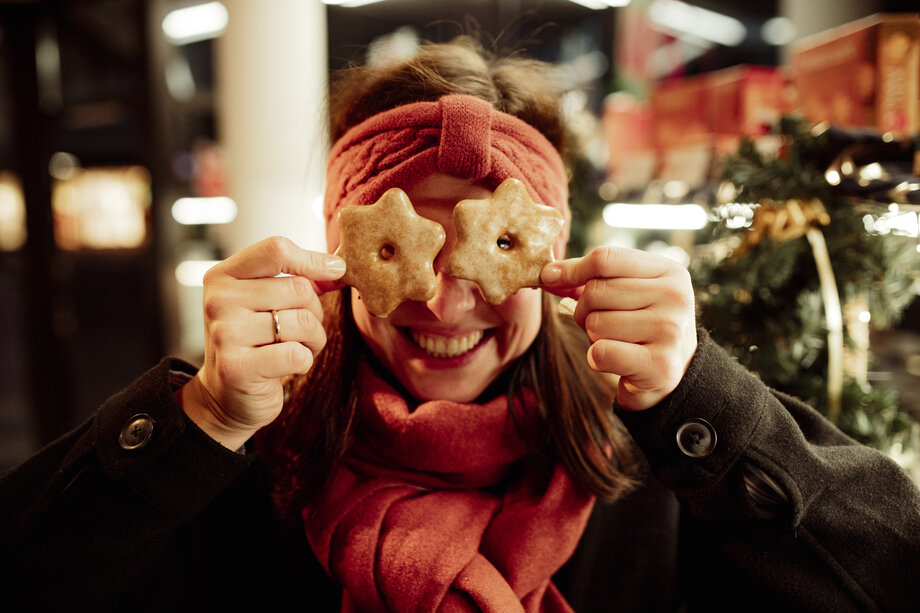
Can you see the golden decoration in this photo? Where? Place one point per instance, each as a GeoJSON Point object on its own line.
{"type": "Point", "coordinates": [784, 221]}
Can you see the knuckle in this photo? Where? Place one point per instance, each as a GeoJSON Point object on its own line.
{"type": "Point", "coordinates": [593, 292]}
{"type": "Point", "coordinates": [211, 275]}
{"type": "Point", "coordinates": [682, 289]}
{"type": "Point", "coordinates": [592, 286]}
{"type": "Point", "coordinates": [603, 285]}
{"type": "Point", "coordinates": [675, 295]}
{"type": "Point", "coordinates": [663, 364]}
{"type": "Point", "coordinates": [300, 288]}
{"type": "Point", "coordinates": [603, 355]}
{"type": "Point", "coordinates": [297, 354]}
{"type": "Point", "coordinates": [305, 320]}
{"type": "Point", "coordinates": [593, 323]}
{"type": "Point", "coordinates": [214, 296]}
{"type": "Point", "coordinates": [613, 259]}
{"type": "Point", "coordinates": [602, 258]}
{"type": "Point", "coordinates": [315, 332]}
{"type": "Point", "coordinates": [211, 306]}
{"type": "Point", "coordinates": [307, 364]}
{"type": "Point", "coordinates": [277, 247]}
{"type": "Point", "coordinates": [599, 351]}
{"type": "Point", "coordinates": [607, 288]}
{"type": "Point", "coordinates": [219, 333]}
{"type": "Point", "coordinates": [668, 329]}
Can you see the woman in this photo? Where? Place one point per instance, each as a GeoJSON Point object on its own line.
{"type": "Point", "coordinates": [456, 455]}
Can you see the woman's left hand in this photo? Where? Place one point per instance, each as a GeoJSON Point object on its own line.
{"type": "Point", "coordinates": [638, 311]}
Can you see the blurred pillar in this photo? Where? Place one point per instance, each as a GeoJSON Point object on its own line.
{"type": "Point", "coordinates": [271, 84]}
{"type": "Point", "coordinates": [813, 17]}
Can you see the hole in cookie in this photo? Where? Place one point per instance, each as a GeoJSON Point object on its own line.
{"type": "Point", "coordinates": [504, 242]}
{"type": "Point", "coordinates": [387, 252]}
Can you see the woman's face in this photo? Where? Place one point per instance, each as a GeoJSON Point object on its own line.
{"type": "Point", "coordinates": [453, 346]}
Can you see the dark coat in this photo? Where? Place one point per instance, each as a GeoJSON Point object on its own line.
{"type": "Point", "coordinates": [784, 512]}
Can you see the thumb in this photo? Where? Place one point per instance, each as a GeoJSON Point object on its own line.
{"type": "Point", "coordinates": [557, 279]}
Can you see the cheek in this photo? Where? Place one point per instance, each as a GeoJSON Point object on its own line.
{"type": "Point", "coordinates": [370, 327]}
{"type": "Point", "coordinates": [522, 314]}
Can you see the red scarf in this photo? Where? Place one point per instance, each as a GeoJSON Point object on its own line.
{"type": "Point", "coordinates": [434, 510]}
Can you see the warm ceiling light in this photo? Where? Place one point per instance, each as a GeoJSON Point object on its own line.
{"type": "Point", "coordinates": [194, 23]}
{"type": "Point", "coordinates": [778, 31]}
{"type": "Point", "coordinates": [190, 273]}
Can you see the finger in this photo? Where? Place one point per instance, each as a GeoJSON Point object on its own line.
{"type": "Point", "coordinates": [298, 325]}
{"type": "Point", "coordinates": [279, 360]}
{"type": "Point", "coordinates": [565, 292]}
{"type": "Point", "coordinates": [257, 329]}
{"type": "Point", "coordinates": [278, 255]}
{"type": "Point", "coordinates": [605, 262]}
{"type": "Point", "coordinates": [628, 326]}
{"type": "Point", "coordinates": [228, 300]}
{"type": "Point", "coordinates": [554, 280]}
{"type": "Point", "coordinates": [619, 357]}
{"type": "Point", "coordinates": [279, 293]}
{"type": "Point", "coordinates": [646, 372]}
{"type": "Point", "coordinates": [620, 293]}
{"type": "Point", "coordinates": [671, 295]}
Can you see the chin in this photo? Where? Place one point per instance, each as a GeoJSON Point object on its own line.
{"type": "Point", "coordinates": [441, 386]}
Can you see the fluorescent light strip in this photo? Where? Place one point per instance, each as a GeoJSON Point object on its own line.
{"type": "Point", "coordinates": [350, 3]}
{"type": "Point", "coordinates": [195, 23]}
{"type": "Point", "coordinates": [698, 22]}
{"type": "Point", "coordinates": [655, 216]}
{"type": "Point", "coordinates": [200, 211]}
{"type": "Point", "coordinates": [597, 5]}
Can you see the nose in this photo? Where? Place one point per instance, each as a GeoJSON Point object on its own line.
{"type": "Point", "coordinates": [453, 298]}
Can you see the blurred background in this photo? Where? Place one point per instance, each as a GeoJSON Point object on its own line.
{"type": "Point", "coordinates": [141, 141]}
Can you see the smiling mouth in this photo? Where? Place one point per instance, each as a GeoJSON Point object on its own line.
{"type": "Point", "coordinates": [446, 346]}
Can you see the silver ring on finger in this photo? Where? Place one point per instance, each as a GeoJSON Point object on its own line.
{"type": "Point", "coordinates": [276, 326]}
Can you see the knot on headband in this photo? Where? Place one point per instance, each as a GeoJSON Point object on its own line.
{"type": "Point", "coordinates": [466, 137]}
{"type": "Point", "coordinates": [459, 135]}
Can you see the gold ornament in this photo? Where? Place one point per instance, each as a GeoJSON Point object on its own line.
{"type": "Point", "coordinates": [783, 221]}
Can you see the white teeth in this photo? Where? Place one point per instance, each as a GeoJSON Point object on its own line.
{"type": "Point", "coordinates": [446, 347]}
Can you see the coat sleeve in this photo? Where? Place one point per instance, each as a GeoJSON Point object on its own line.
{"type": "Point", "coordinates": [778, 502]}
{"type": "Point", "coordinates": [85, 516]}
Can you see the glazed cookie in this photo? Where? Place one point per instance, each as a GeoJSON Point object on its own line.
{"type": "Point", "coordinates": [389, 251]}
{"type": "Point", "coordinates": [503, 242]}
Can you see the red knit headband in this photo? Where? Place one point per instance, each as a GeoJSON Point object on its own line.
{"type": "Point", "coordinates": [457, 135]}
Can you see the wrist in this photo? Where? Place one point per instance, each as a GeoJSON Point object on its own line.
{"type": "Point", "coordinates": [198, 405]}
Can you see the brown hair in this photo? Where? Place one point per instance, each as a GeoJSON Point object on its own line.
{"type": "Point", "coordinates": [518, 86]}
{"type": "Point", "coordinates": [575, 425]}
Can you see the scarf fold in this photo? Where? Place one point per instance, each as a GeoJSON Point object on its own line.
{"type": "Point", "coordinates": [439, 509]}
{"type": "Point", "coordinates": [459, 135]}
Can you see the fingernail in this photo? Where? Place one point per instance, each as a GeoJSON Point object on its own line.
{"type": "Point", "coordinates": [552, 273]}
{"type": "Point", "coordinates": [335, 264]}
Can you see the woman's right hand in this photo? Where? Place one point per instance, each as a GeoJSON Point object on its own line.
{"type": "Point", "coordinates": [238, 389]}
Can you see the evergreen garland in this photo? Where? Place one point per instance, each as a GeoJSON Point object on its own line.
{"type": "Point", "coordinates": [760, 296]}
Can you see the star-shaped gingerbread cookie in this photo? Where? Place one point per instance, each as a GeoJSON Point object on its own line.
{"type": "Point", "coordinates": [389, 252]}
{"type": "Point", "coordinates": [504, 241]}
